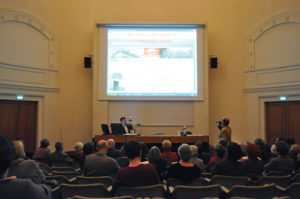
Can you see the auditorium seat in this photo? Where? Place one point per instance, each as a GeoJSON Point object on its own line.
{"type": "Point", "coordinates": [296, 178]}
{"type": "Point", "coordinates": [145, 191]}
{"type": "Point", "coordinates": [293, 191]}
{"type": "Point", "coordinates": [59, 178]}
{"type": "Point", "coordinates": [282, 181]}
{"type": "Point", "coordinates": [68, 174]}
{"type": "Point", "coordinates": [277, 173]}
{"type": "Point", "coordinates": [67, 168]}
{"type": "Point", "coordinates": [87, 190]}
{"type": "Point", "coordinates": [172, 183]}
{"type": "Point", "coordinates": [266, 191]}
{"type": "Point", "coordinates": [105, 180]}
{"type": "Point", "coordinates": [196, 192]}
{"type": "Point", "coordinates": [229, 181]}
{"type": "Point", "coordinates": [121, 197]}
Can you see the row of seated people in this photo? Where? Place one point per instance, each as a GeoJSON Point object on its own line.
{"type": "Point", "coordinates": [139, 173]}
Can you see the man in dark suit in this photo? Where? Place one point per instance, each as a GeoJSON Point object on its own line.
{"type": "Point", "coordinates": [127, 128]}
{"type": "Point", "coordinates": [281, 163]}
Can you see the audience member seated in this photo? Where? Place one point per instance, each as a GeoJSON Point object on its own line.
{"type": "Point", "coordinates": [297, 167]}
{"type": "Point", "coordinates": [203, 151]}
{"type": "Point", "coordinates": [231, 166]}
{"type": "Point", "coordinates": [112, 151]}
{"type": "Point", "coordinates": [167, 153]}
{"type": "Point", "coordinates": [137, 173]}
{"type": "Point", "coordinates": [253, 167]}
{"type": "Point", "coordinates": [98, 164]}
{"type": "Point", "coordinates": [274, 153]}
{"type": "Point", "coordinates": [265, 152]}
{"type": "Point", "coordinates": [159, 163]}
{"type": "Point", "coordinates": [293, 152]}
{"type": "Point", "coordinates": [219, 155]}
{"type": "Point", "coordinates": [59, 156]}
{"type": "Point", "coordinates": [194, 159]}
{"type": "Point", "coordinates": [77, 155]}
{"type": "Point", "coordinates": [26, 169]}
{"type": "Point", "coordinates": [42, 154]}
{"type": "Point", "coordinates": [223, 142]}
{"type": "Point", "coordinates": [281, 163]}
{"type": "Point", "coordinates": [88, 148]}
{"type": "Point", "coordinates": [123, 161]}
{"type": "Point", "coordinates": [144, 149]}
{"type": "Point", "coordinates": [184, 170]}
{"type": "Point", "coordinates": [11, 187]}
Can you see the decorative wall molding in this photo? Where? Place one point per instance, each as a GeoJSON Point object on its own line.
{"type": "Point", "coordinates": [27, 64]}
{"type": "Point", "coordinates": [290, 17]}
{"type": "Point", "coordinates": [274, 54]}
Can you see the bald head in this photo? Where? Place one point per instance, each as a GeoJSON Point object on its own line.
{"type": "Point", "coordinates": [111, 143]}
{"type": "Point", "coordinates": [102, 146]}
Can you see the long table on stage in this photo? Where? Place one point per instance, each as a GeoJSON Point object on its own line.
{"type": "Point", "coordinates": [155, 139]}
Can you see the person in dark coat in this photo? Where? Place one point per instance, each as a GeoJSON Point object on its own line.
{"type": "Point", "coordinates": [25, 168]}
{"type": "Point", "coordinates": [185, 171]}
{"type": "Point", "coordinates": [137, 173]}
{"type": "Point", "coordinates": [159, 163]}
{"type": "Point", "coordinates": [59, 156]}
{"type": "Point", "coordinates": [231, 166]}
{"type": "Point", "coordinates": [11, 187]}
{"type": "Point", "coordinates": [253, 167]}
{"type": "Point", "coordinates": [281, 163]}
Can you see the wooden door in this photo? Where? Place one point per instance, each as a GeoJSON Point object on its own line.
{"type": "Point", "coordinates": [8, 118]}
{"type": "Point", "coordinates": [293, 120]}
{"type": "Point", "coordinates": [282, 120]}
{"type": "Point", "coordinates": [18, 120]}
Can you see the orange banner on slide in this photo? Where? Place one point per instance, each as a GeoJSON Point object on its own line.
{"type": "Point", "coordinates": [152, 51]}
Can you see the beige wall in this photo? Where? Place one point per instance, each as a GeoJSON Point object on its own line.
{"type": "Point", "coordinates": [230, 22]}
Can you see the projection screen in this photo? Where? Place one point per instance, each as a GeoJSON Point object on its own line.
{"type": "Point", "coordinates": [150, 62]}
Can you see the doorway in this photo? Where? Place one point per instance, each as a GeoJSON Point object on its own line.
{"type": "Point", "coordinates": [282, 120]}
{"type": "Point", "coordinates": [18, 120]}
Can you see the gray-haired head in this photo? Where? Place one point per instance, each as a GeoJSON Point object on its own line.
{"type": "Point", "coordinates": [185, 152]}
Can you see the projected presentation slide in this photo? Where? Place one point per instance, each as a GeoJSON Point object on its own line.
{"type": "Point", "coordinates": [151, 62]}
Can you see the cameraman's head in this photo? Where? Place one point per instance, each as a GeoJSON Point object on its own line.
{"type": "Point", "coordinates": [225, 121]}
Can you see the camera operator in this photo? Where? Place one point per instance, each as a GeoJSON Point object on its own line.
{"type": "Point", "coordinates": [225, 129]}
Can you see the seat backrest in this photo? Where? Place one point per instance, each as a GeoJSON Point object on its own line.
{"type": "Point", "coordinates": [296, 178]}
{"type": "Point", "coordinates": [172, 182]}
{"type": "Point", "coordinates": [196, 192]}
{"type": "Point", "coordinates": [293, 191]}
{"type": "Point", "coordinates": [59, 178]}
{"type": "Point", "coordinates": [266, 191]}
{"type": "Point", "coordinates": [105, 180]}
{"type": "Point", "coordinates": [87, 190]}
{"type": "Point", "coordinates": [67, 174]}
{"type": "Point", "coordinates": [278, 173]}
{"type": "Point", "coordinates": [145, 191]}
{"type": "Point", "coordinates": [68, 168]}
{"type": "Point", "coordinates": [229, 181]}
{"type": "Point", "coordinates": [206, 175]}
{"type": "Point", "coordinates": [62, 164]}
{"type": "Point", "coordinates": [282, 181]}
{"type": "Point", "coordinates": [121, 197]}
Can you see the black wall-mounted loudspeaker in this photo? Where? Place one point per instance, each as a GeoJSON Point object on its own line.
{"type": "Point", "coordinates": [87, 62]}
{"type": "Point", "coordinates": [213, 62]}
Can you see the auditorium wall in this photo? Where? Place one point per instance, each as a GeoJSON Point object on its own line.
{"type": "Point", "coordinates": [69, 111]}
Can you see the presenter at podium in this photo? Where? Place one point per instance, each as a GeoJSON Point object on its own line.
{"type": "Point", "coordinates": [127, 128]}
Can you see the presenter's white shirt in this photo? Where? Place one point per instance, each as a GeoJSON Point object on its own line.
{"type": "Point", "coordinates": [126, 129]}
